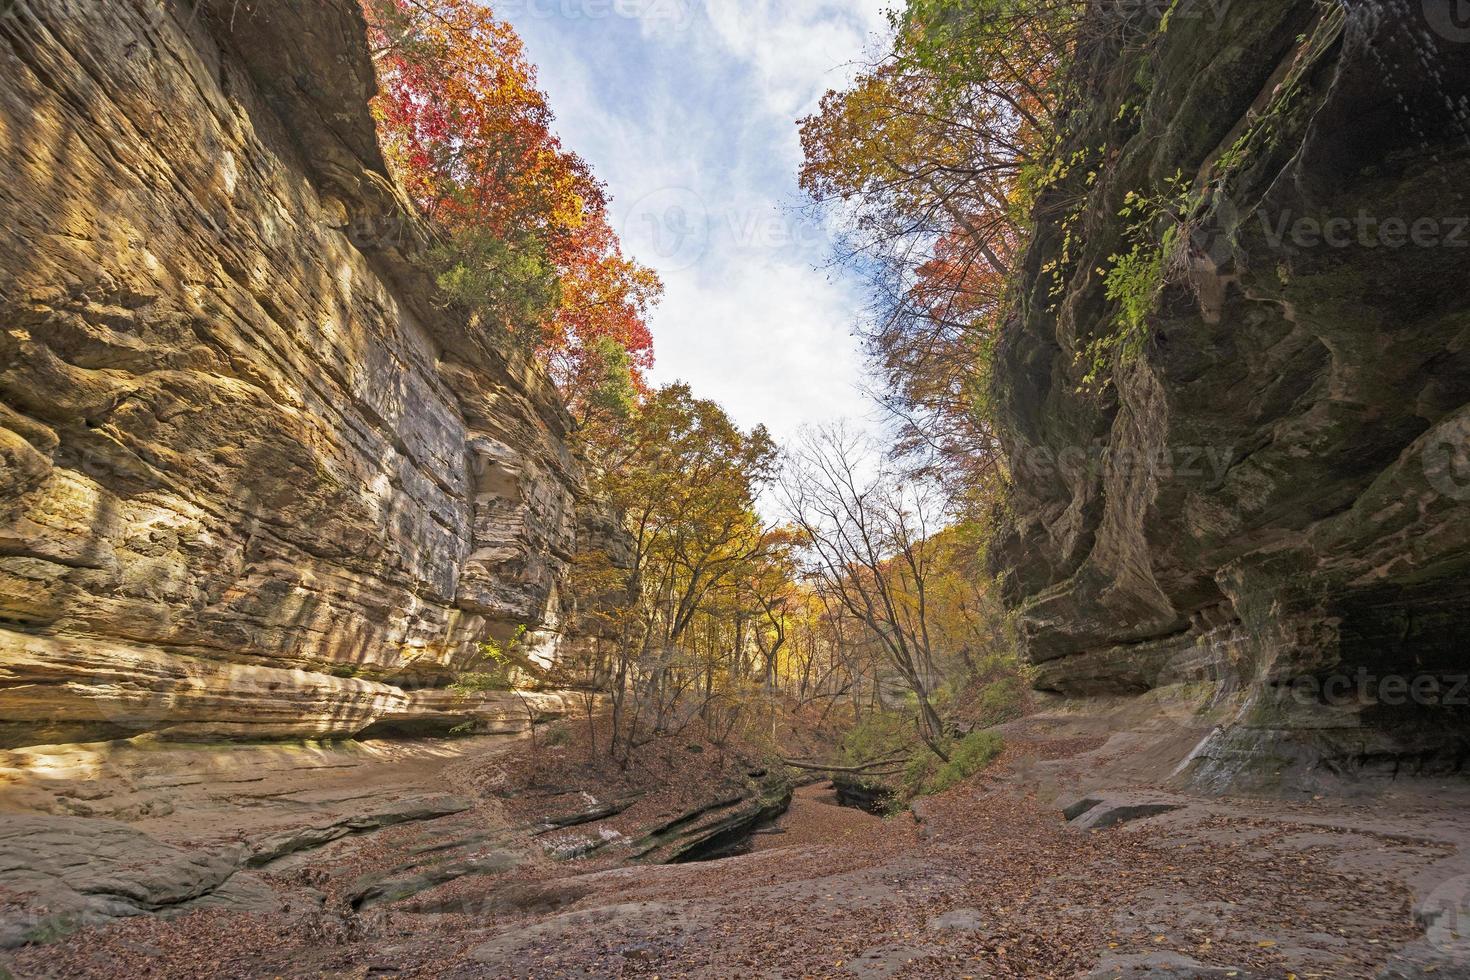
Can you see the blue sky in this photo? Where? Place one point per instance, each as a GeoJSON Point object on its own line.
{"type": "Point", "coordinates": [687, 109]}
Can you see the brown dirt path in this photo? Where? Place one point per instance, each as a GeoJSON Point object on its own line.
{"type": "Point", "coordinates": [816, 818]}
{"type": "Point", "coordinates": [993, 883]}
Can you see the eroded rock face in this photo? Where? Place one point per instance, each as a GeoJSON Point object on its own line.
{"type": "Point", "coordinates": [1274, 494]}
{"type": "Point", "coordinates": [244, 461]}
{"type": "Point", "coordinates": [78, 870]}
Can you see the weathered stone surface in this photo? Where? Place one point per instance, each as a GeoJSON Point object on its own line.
{"type": "Point", "coordinates": [58, 686]}
{"type": "Point", "coordinates": [885, 961]}
{"type": "Point", "coordinates": [508, 952]}
{"type": "Point", "coordinates": [74, 872]}
{"type": "Point", "coordinates": [264, 850]}
{"type": "Point", "coordinates": [958, 920]}
{"type": "Point", "coordinates": [1076, 809]}
{"type": "Point", "coordinates": [1161, 966]}
{"type": "Point", "coordinates": [438, 711]}
{"type": "Point", "coordinates": [1091, 814]}
{"type": "Point", "coordinates": [383, 887]}
{"type": "Point", "coordinates": [78, 872]}
{"type": "Point", "coordinates": [83, 839]}
{"type": "Point", "coordinates": [240, 449]}
{"type": "Point", "coordinates": [718, 828]}
{"type": "Point", "coordinates": [1275, 489]}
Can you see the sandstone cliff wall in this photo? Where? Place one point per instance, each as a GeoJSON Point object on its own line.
{"type": "Point", "coordinates": [1274, 495]}
{"type": "Point", "coordinates": [252, 483]}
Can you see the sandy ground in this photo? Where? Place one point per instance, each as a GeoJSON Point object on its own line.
{"type": "Point", "coordinates": [199, 793]}
{"type": "Point", "coordinates": [990, 880]}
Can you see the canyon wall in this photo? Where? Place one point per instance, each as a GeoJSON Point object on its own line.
{"type": "Point", "coordinates": [1272, 498]}
{"type": "Point", "coordinates": [253, 482]}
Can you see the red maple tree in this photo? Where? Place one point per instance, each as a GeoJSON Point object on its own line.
{"type": "Point", "coordinates": [531, 247]}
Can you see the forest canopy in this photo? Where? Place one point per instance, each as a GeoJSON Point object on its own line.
{"type": "Point", "coordinates": [524, 245]}
{"type": "Point", "coordinates": [834, 577]}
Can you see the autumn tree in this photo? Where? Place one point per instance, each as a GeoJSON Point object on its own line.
{"type": "Point", "coordinates": [930, 157]}
{"type": "Point", "coordinates": [685, 477]}
{"type": "Point", "coordinates": [868, 533]}
{"type": "Point", "coordinates": [524, 241]}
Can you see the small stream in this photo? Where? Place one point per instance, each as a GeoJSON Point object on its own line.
{"type": "Point", "coordinates": [861, 796]}
{"type": "Point", "coordinates": [818, 813]}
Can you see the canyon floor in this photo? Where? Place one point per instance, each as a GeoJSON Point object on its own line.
{"type": "Point", "coordinates": [405, 860]}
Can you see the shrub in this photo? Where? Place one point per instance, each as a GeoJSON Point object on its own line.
{"type": "Point", "coordinates": [885, 734]}
{"type": "Point", "coordinates": [918, 773]}
{"type": "Point", "coordinates": [478, 682]}
{"type": "Point", "coordinates": [1002, 701]}
{"type": "Point", "coordinates": [877, 736]}
{"type": "Point", "coordinates": [498, 664]}
{"type": "Point", "coordinates": [926, 774]}
{"type": "Point", "coordinates": [969, 755]}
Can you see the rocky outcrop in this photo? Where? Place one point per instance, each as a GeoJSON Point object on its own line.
{"type": "Point", "coordinates": [1273, 496]}
{"type": "Point", "coordinates": [84, 872]}
{"type": "Point", "coordinates": [273, 847]}
{"type": "Point", "coordinates": [250, 474]}
{"type": "Point", "coordinates": [720, 827]}
{"type": "Point", "coordinates": [78, 872]}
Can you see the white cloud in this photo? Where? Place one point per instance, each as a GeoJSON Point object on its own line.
{"type": "Point", "coordinates": [770, 342]}
{"type": "Point", "coordinates": [691, 121]}
{"type": "Point", "coordinates": [798, 50]}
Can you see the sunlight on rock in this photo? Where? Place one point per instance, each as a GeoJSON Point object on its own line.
{"type": "Point", "coordinates": [373, 601]}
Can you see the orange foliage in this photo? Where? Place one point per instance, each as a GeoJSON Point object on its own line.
{"type": "Point", "coordinates": [465, 128]}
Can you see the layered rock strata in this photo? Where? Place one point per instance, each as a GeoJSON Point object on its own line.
{"type": "Point", "coordinates": [1273, 495]}
{"type": "Point", "coordinates": [253, 481]}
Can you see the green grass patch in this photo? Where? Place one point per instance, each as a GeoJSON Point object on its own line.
{"type": "Point", "coordinates": [1002, 701]}
{"type": "Point", "coordinates": [927, 774]}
